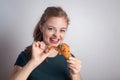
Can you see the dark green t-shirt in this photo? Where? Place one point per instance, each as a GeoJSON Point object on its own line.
{"type": "Point", "coordinates": [52, 69]}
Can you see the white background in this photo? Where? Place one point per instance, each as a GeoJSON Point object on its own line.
{"type": "Point", "coordinates": [93, 34]}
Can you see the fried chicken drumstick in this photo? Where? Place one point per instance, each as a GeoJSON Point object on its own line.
{"type": "Point", "coordinates": [63, 49]}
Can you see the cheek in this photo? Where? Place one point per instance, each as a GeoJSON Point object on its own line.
{"type": "Point", "coordinates": [46, 35]}
{"type": "Point", "coordinates": [62, 36]}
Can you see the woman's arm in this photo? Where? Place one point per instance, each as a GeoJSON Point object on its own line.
{"type": "Point", "coordinates": [22, 73]}
{"type": "Point", "coordinates": [38, 56]}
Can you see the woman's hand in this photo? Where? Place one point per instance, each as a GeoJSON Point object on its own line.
{"type": "Point", "coordinates": [38, 52]}
{"type": "Point", "coordinates": [75, 65]}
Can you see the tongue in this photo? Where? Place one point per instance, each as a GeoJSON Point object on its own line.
{"type": "Point", "coordinates": [54, 41]}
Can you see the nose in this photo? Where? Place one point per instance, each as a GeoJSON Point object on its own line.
{"type": "Point", "coordinates": [57, 33]}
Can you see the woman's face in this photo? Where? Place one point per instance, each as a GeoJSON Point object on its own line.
{"type": "Point", "coordinates": [54, 31]}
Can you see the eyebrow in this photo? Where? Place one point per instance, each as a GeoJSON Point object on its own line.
{"type": "Point", "coordinates": [63, 28]}
{"type": "Point", "coordinates": [55, 27]}
{"type": "Point", "coordinates": [47, 25]}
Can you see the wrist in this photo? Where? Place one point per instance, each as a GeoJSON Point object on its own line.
{"type": "Point", "coordinates": [34, 63]}
{"type": "Point", "coordinates": [75, 76]}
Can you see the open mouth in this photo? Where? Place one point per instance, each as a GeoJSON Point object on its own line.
{"type": "Point", "coordinates": [54, 40]}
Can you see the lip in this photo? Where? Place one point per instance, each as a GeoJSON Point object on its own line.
{"type": "Point", "coordinates": [54, 41]}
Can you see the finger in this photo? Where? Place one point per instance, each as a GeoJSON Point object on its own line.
{"type": "Point", "coordinates": [73, 59]}
{"type": "Point", "coordinates": [34, 44]}
{"type": "Point", "coordinates": [40, 45]}
{"type": "Point", "coordinates": [37, 44]}
{"type": "Point", "coordinates": [77, 66]}
{"type": "Point", "coordinates": [74, 64]}
{"type": "Point", "coordinates": [46, 50]}
{"type": "Point", "coordinates": [43, 45]}
{"type": "Point", "coordinates": [74, 68]}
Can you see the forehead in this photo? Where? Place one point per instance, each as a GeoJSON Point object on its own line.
{"type": "Point", "coordinates": [57, 22]}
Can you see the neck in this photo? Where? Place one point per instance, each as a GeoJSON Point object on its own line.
{"type": "Point", "coordinates": [53, 53]}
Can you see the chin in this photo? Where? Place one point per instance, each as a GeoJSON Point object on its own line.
{"type": "Point", "coordinates": [54, 44]}
{"type": "Point", "coordinates": [51, 44]}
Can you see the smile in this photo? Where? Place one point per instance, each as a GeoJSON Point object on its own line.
{"type": "Point", "coordinates": [54, 41]}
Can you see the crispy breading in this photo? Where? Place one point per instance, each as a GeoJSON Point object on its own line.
{"type": "Point", "coordinates": [64, 50]}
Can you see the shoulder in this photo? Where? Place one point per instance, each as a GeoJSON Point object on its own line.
{"type": "Point", "coordinates": [23, 54]}
{"type": "Point", "coordinates": [22, 59]}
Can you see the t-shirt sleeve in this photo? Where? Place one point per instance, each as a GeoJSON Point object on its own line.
{"type": "Point", "coordinates": [22, 59]}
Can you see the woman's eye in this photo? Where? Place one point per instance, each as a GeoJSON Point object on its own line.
{"type": "Point", "coordinates": [50, 28]}
{"type": "Point", "coordinates": [62, 30]}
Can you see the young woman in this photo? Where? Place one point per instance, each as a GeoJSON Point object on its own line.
{"type": "Point", "coordinates": [36, 62]}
